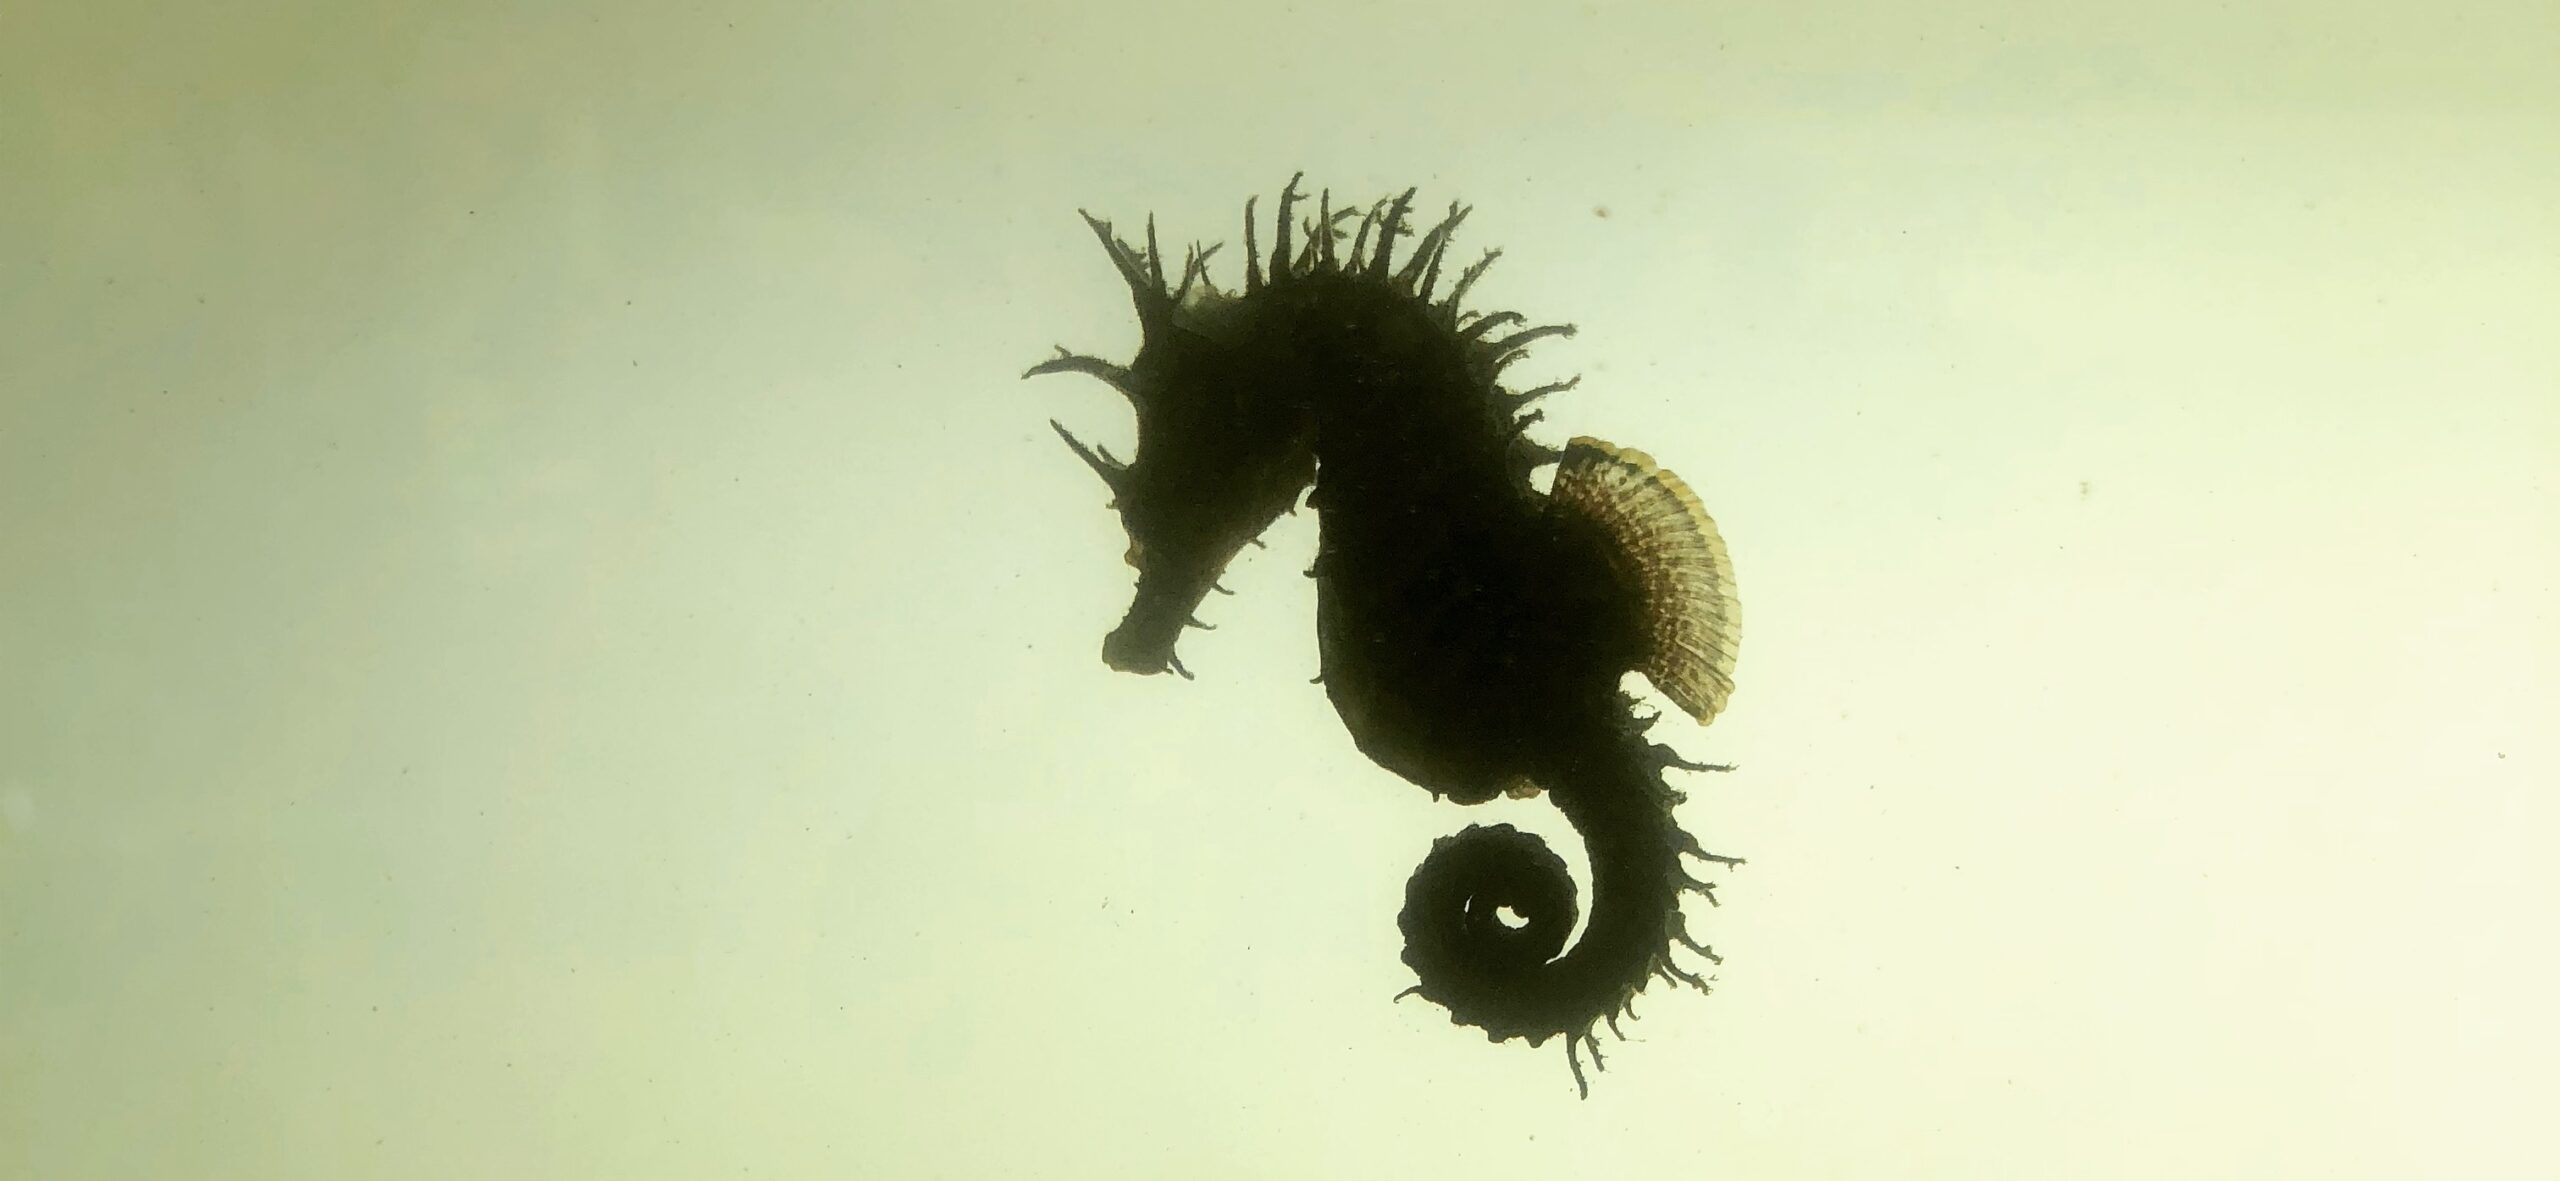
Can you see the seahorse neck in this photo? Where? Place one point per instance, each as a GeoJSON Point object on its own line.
{"type": "Point", "coordinates": [1405, 429]}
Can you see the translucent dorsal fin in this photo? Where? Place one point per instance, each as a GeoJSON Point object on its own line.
{"type": "Point", "coordinates": [1693, 621]}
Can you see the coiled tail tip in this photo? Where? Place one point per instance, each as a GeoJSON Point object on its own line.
{"type": "Point", "coordinates": [1488, 912]}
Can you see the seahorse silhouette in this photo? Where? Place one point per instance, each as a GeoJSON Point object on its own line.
{"type": "Point", "coordinates": [1473, 630]}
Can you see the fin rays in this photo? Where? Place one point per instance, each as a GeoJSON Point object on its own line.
{"type": "Point", "coordinates": [1679, 559]}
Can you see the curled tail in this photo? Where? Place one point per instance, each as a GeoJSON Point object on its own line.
{"type": "Point", "coordinates": [1487, 913]}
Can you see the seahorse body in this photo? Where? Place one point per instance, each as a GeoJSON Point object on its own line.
{"type": "Point", "coordinates": [1473, 630]}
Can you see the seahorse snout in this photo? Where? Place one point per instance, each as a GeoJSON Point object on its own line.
{"type": "Point", "coordinates": [1126, 651]}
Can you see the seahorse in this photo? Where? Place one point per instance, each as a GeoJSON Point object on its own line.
{"type": "Point", "coordinates": [1474, 631]}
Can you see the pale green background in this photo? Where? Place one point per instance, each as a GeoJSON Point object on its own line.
{"type": "Point", "coordinates": [540, 636]}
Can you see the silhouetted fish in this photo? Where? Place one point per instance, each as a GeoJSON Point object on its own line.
{"type": "Point", "coordinates": [1473, 630]}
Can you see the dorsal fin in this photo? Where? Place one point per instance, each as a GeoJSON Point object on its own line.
{"type": "Point", "coordinates": [1693, 622]}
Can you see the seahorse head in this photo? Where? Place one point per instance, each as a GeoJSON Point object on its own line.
{"type": "Point", "coordinates": [1229, 388]}
{"type": "Point", "coordinates": [1219, 457]}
